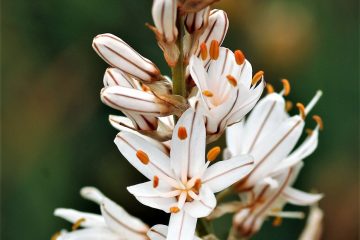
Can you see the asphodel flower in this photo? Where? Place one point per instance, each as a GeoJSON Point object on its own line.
{"type": "Point", "coordinates": [160, 232]}
{"type": "Point", "coordinates": [269, 134]}
{"type": "Point", "coordinates": [226, 89]}
{"type": "Point", "coordinates": [268, 197]}
{"type": "Point", "coordinates": [182, 184]}
{"type": "Point", "coordinates": [113, 223]}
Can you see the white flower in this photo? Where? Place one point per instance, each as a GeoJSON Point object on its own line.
{"type": "Point", "coordinates": [183, 184]}
{"type": "Point", "coordinates": [113, 223]}
{"type": "Point", "coordinates": [159, 232]}
{"type": "Point", "coordinates": [269, 134]}
{"type": "Point", "coordinates": [227, 91]}
{"type": "Point", "coordinates": [268, 197]}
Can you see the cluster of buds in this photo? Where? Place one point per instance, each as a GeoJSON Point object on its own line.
{"type": "Point", "coordinates": [169, 121]}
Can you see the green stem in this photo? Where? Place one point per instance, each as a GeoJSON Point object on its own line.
{"type": "Point", "coordinates": [178, 71]}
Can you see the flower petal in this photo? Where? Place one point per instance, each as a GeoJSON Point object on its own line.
{"type": "Point", "coordinates": [297, 197]}
{"type": "Point", "coordinates": [158, 232]}
{"type": "Point", "coordinates": [204, 206]}
{"type": "Point", "coordinates": [116, 77]}
{"type": "Point", "coordinates": [181, 226]}
{"type": "Point", "coordinates": [92, 194]}
{"type": "Point", "coordinates": [225, 173]}
{"type": "Point", "coordinates": [118, 54]}
{"type": "Point", "coordinates": [129, 144]}
{"type": "Point", "coordinates": [90, 234]}
{"type": "Point", "coordinates": [90, 220]}
{"type": "Point", "coordinates": [235, 138]}
{"type": "Point", "coordinates": [188, 151]}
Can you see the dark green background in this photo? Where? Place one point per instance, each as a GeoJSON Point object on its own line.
{"type": "Point", "coordinates": [55, 134]}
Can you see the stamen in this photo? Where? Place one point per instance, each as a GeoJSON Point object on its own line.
{"type": "Point", "coordinates": [174, 209]}
{"type": "Point", "coordinates": [319, 121]}
{"type": "Point", "coordinates": [232, 80]}
{"type": "Point", "coordinates": [287, 87]}
{"type": "Point", "coordinates": [207, 93]}
{"type": "Point", "coordinates": [156, 181]}
{"type": "Point", "coordinates": [213, 153]}
{"type": "Point", "coordinates": [277, 221]}
{"type": "Point", "coordinates": [313, 101]}
{"type": "Point", "coordinates": [182, 133]}
{"type": "Point", "coordinates": [301, 108]}
{"type": "Point", "coordinates": [309, 131]}
{"type": "Point", "coordinates": [288, 105]}
{"type": "Point", "coordinates": [203, 51]}
{"type": "Point", "coordinates": [55, 235]}
{"type": "Point", "coordinates": [257, 77]}
{"type": "Point", "coordinates": [77, 224]}
{"type": "Point", "coordinates": [197, 185]}
{"type": "Point", "coordinates": [214, 50]}
{"type": "Point", "coordinates": [269, 88]}
{"type": "Point", "coordinates": [239, 57]}
{"type": "Point", "coordinates": [143, 157]}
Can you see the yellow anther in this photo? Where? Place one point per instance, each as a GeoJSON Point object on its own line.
{"type": "Point", "coordinates": [288, 105]}
{"type": "Point", "coordinates": [156, 182]}
{"type": "Point", "coordinates": [269, 88]}
{"type": "Point", "coordinates": [182, 133]}
{"type": "Point", "coordinates": [197, 185]}
{"type": "Point", "coordinates": [174, 209]}
{"type": "Point", "coordinates": [142, 156]}
{"type": "Point", "coordinates": [301, 108]}
{"type": "Point", "coordinates": [214, 50]}
{"type": "Point", "coordinates": [55, 235]}
{"type": "Point", "coordinates": [287, 87]}
{"type": "Point", "coordinates": [257, 77]}
{"type": "Point", "coordinates": [277, 221]}
{"type": "Point", "coordinates": [77, 224]}
{"type": "Point", "coordinates": [213, 153]}
{"type": "Point", "coordinates": [203, 51]}
{"type": "Point", "coordinates": [319, 121]}
{"type": "Point", "coordinates": [232, 80]}
{"type": "Point", "coordinates": [239, 57]}
{"type": "Point", "coordinates": [207, 93]}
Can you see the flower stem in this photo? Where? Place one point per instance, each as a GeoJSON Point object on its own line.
{"type": "Point", "coordinates": [178, 71]}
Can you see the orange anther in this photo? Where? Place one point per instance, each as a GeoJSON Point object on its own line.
{"type": "Point", "coordinates": [214, 50]}
{"type": "Point", "coordinates": [145, 88]}
{"type": "Point", "coordinates": [207, 93]}
{"type": "Point", "coordinates": [239, 57]}
{"type": "Point", "coordinates": [286, 85]}
{"type": "Point", "coordinates": [288, 105]}
{"type": "Point", "coordinates": [77, 224]}
{"type": "Point", "coordinates": [142, 156]}
{"type": "Point", "coordinates": [182, 133]}
{"type": "Point", "coordinates": [213, 153]}
{"type": "Point", "coordinates": [156, 182]}
{"type": "Point", "coordinates": [232, 80]}
{"type": "Point", "coordinates": [301, 108]}
{"type": "Point", "coordinates": [257, 77]}
{"type": "Point", "coordinates": [319, 121]}
{"type": "Point", "coordinates": [269, 88]}
{"type": "Point", "coordinates": [277, 221]}
{"type": "Point", "coordinates": [197, 185]}
{"type": "Point", "coordinates": [203, 51]}
{"type": "Point", "coordinates": [55, 236]}
{"type": "Point", "coordinates": [174, 209]}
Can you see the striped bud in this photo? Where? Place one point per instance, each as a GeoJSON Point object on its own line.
{"type": "Point", "coordinates": [164, 16]}
{"type": "Point", "coordinates": [191, 6]}
{"type": "Point", "coordinates": [197, 21]}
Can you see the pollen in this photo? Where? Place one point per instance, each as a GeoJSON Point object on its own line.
{"type": "Point", "coordinates": [239, 57]}
{"type": "Point", "coordinates": [287, 87]}
{"type": "Point", "coordinates": [207, 93]}
{"type": "Point", "coordinates": [182, 133]}
{"type": "Point", "coordinates": [214, 50]}
{"type": "Point", "coordinates": [277, 221]}
{"type": "Point", "coordinates": [232, 80]}
{"type": "Point", "coordinates": [203, 51]}
{"type": "Point", "coordinates": [174, 209]}
{"type": "Point", "coordinates": [288, 105]}
{"type": "Point", "coordinates": [301, 108]}
{"type": "Point", "coordinates": [257, 77]}
{"type": "Point", "coordinates": [319, 121]}
{"type": "Point", "coordinates": [213, 153]}
{"type": "Point", "coordinates": [269, 88]}
{"type": "Point", "coordinates": [77, 224]}
{"type": "Point", "coordinates": [143, 157]}
{"type": "Point", "coordinates": [156, 182]}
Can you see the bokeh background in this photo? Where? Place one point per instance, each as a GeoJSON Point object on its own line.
{"type": "Point", "coordinates": [55, 133]}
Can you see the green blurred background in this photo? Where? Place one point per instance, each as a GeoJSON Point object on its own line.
{"type": "Point", "coordinates": [55, 133]}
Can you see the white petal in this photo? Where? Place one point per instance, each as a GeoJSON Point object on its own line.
{"type": "Point", "coordinates": [90, 234]}
{"type": "Point", "coordinates": [164, 16]}
{"type": "Point", "coordinates": [200, 77]}
{"type": "Point", "coordinates": [116, 77]}
{"type": "Point", "coordinates": [181, 226]}
{"type": "Point", "coordinates": [92, 194]}
{"type": "Point", "coordinates": [129, 144]}
{"type": "Point", "coordinates": [225, 173]}
{"type": "Point", "coordinates": [133, 100]}
{"type": "Point", "coordinates": [301, 198]}
{"type": "Point", "coordinates": [146, 194]}
{"type": "Point", "coordinates": [187, 155]}
{"type": "Point", "coordinates": [121, 222]}
{"type": "Point", "coordinates": [204, 206]}
{"type": "Point", "coordinates": [118, 54]}
{"type": "Point", "coordinates": [235, 138]}
{"type": "Point", "coordinates": [90, 220]}
{"type": "Point", "coordinates": [158, 232]}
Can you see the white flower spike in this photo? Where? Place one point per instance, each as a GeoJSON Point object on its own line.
{"type": "Point", "coordinates": [183, 185]}
{"type": "Point", "coordinates": [113, 223]}
{"type": "Point", "coordinates": [227, 90]}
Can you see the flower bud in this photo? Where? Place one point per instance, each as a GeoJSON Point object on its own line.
{"type": "Point", "coordinates": [191, 6]}
{"type": "Point", "coordinates": [119, 54]}
{"type": "Point", "coordinates": [164, 15]}
{"type": "Point", "coordinates": [197, 21]}
{"type": "Point", "coordinates": [116, 77]}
